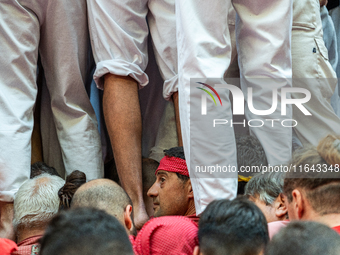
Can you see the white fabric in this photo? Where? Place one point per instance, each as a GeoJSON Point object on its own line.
{"type": "Point", "coordinates": [119, 32]}
{"type": "Point", "coordinates": [329, 36]}
{"type": "Point", "coordinates": [263, 32]}
{"type": "Point", "coordinates": [312, 71]}
{"type": "Point", "coordinates": [335, 15]}
{"type": "Point", "coordinates": [57, 29]}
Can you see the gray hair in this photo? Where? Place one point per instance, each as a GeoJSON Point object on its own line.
{"type": "Point", "coordinates": [37, 201]}
{"type": "Point", "coordinates": [265, 186]}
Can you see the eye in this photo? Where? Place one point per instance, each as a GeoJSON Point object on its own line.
{"type": "Point", "coordinates": [162, 179]}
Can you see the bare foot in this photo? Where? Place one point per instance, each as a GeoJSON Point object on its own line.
{"type": "Point", "coordinates": [6, 218]}
{"type": "Point", "coordinates": [140, 217]}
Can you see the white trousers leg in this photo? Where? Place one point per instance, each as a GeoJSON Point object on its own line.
{"type": "Point", "coordinates": [64, 49]}
{"type": "Point", "coordinates": [263, 45]}
{"type": "Point", "coordinates": [58, 29]}
{"type": "Point", "coordinates": [312, 71]}
{"type": "Point", "coordinates": [204, 51]}
{"type": "Point", "coordinates": [18, 59]}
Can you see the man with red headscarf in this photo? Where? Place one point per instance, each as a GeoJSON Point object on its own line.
{"type": "Point", "coordinates": [172, 191]}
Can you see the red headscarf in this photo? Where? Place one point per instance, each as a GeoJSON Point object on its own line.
{"type": "Point", "coordinates": [7, 246]}
{"type": "Point", "coordinates": [173, 164]}
{"type": "Point", "coordinates": [168, 235]}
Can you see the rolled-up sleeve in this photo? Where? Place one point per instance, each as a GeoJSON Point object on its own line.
{"type": "Point", "coordinates": [119, 32]}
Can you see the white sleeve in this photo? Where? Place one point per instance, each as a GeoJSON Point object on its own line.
{"type": "Point", "coordinates": [119, 31]}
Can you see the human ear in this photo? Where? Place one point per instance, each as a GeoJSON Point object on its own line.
{"type": "Point", "coordinates": [280, 207]}
{"type": "Point", "coordinates": [189, 189]}
{"type": "Point", "coordinates": [196, 250]}
{"type": "Point", "coordinates": [299, 203]}
{"type": "Point", "coordinates": [127, 217]}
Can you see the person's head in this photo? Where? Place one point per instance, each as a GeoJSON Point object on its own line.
{"type": "Point", "coordinates": [249, 152]}
{"type": "Point", "coordinates": [73, 181]}
{"type": "Point", "coordinates": [313, 194]}
{"type": "Point", "coordinates": [106, 195]}
{"type": "Point", "coordinates": [266, 191]}
{"type": "Point", "coordinates": [39, 167]}
{"type": "Point", "coordinates": [36, 202]}
{"type": "Point", "coordinates": [85, 231]}
{"type": "Point", "coordinates": [235, 227]}
{"type": "Point", "coordinates": [167, 235]}
{"type": "Point", "coordinates": [250, 155]}
{"type": "Point", "coordinates": [305, 238]}
{"type": "Point", "coordinates": [172, 191]}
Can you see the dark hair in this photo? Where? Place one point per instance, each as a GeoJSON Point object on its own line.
{"type": "Point", "coordinates": [235, 227]}
{"type": "Point", "coordinates": [39, 168]}
{"type": "Point", "coordinates": [177, 152]}
{"type": "Point", "coordinates": [85, 231]}
{"type": "Point", "coordinates": [73, 182]}
{"type": "Point", "coordinates": [249, 151]}
{"type": "Point", "coordinates": [305, 238]}
{"type": "Point", "coordinates": [182, 177]}
{"type": "Point", "coordinates": [322, 188]}
{"type": "Point", "coordinates": [240, 187]}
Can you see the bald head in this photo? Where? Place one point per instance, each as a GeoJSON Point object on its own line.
{"type": "Point", "coordinates": [102, 194]}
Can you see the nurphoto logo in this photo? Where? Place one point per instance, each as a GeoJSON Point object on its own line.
{"type": "Point", "coordinates": [239, 99]}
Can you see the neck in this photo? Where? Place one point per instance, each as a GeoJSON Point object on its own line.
{"type": "Point", "coordinates": [27, 233]}
{"type": "Point", "coordinates": [191, 208]}
{"type": "Point", "coordinates": [331, 220]}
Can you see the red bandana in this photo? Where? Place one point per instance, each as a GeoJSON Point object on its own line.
{"type": "Point", "coordinates": [173, 164]}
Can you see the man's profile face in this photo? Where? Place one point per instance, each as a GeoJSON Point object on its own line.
{"type": "Point", "coordinates": [170, 194]}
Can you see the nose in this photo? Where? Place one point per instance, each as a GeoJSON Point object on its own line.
{"type": "Point", "coordinates": [153, 191]}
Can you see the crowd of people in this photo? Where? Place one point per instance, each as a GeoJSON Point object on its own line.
{"type": "Point", "coordinates": [93, 161]}
{"type": "Point", "coordinates": [276, 213]}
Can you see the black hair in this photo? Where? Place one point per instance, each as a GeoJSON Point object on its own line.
{"type": "Point", "coordinates": [305, 238]}
{"type": "Point", "coordinates": [39, 168]}
{"type": "Point", "coordinates": [235, 227]}
{"type": "Point", "coordinates": [250, 151]}
{"type": "Point", "coordinates": [73, 181]}
{"type": "Point", "coordinates": [85, 231]}
{"type": "Point", "coordinates": [177, 152]}
{"type": "Point", "coordinates": [182, 177]}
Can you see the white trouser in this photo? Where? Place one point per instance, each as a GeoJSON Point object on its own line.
{"type": "Point", "coordinates": [335, 15]}
{"type": "Point", "coordinates": [57, 29]}
{"type": "Point", "coordinates": [263, 32]}
{"type": "Point", "coordinates": [312, 71]}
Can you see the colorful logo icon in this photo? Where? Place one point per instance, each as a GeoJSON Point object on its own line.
{"type": "Point", "coordinates": [209, 93]}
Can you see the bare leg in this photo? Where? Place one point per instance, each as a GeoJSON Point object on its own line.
{"type": "Point", "coordinates": [124, 124]}
{"type": "Point", "coordinates": [6, 218]}
{"type": "Point", "coordinates": [178, 123]}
